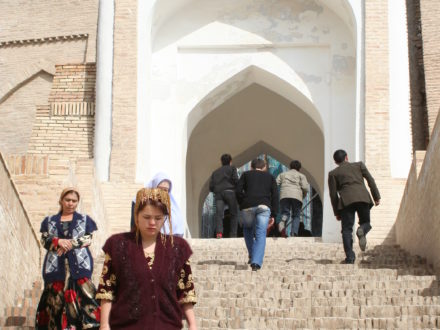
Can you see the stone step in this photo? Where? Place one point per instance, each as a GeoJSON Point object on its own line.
{"type": "Point", "coordinates": [403, 322]}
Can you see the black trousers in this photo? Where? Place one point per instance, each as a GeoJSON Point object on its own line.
{"type": "Point", "coordinates": [226, 197]}
{"type": "Point", "coordinates": [347, 221]}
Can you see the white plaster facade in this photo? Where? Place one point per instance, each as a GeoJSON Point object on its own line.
{"type": "Point", "coordinates": [245, 77]}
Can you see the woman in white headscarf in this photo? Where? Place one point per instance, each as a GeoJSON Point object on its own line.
{"type": "Point", "coordinates": [163, 181]}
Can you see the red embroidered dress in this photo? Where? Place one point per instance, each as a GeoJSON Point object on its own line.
{"type": "Point", "coordinates": [146, 291]}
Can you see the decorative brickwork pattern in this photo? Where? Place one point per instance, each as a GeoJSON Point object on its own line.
{"type": "Point", "coordinates": [13, 43]}
{"type": "Point", "coordinates": [72, 109]}
{"type": "Point", "coordinates": [22, 256]}
{"type": "Point", "coordinates": [124, 114]}
{"type": "Point", "coordinates": [27, 164]}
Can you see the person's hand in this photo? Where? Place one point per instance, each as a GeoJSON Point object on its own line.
{"type": "Point", "coordinates": [192, 327]}
{"type": "Point", "coordinates": [338, 217]}
{"type": "Point", "coordinates": [377, 202]}
{"type": "Point", "coordinates": [65, 244]}
{"type": "Point", "coordinates": [104, 327]}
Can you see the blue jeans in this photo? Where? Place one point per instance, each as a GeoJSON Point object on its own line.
{"type": "Point", "coordinates": [291, 208]}
{"type": "Point", "coordinates": [255, 221]}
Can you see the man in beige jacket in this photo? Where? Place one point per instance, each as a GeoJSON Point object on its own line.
{"type": "Point", "coordinates": [293, 188]}
{"type": "Point", "coordinates": [349, 195]}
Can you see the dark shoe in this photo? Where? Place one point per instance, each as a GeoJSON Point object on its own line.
{"type": "Point", "coordinates": [249, 260]}
{"type": "Point", "coordinates": [255, 267]}
{"type": "Point", "coordinates": [348, 261]}
{"type": "Point", "coordinates": [362, 238]}
{"type": "Point", "coordinates": [219, 235]}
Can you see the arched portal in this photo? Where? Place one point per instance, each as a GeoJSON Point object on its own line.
{"type": "Point", "coordinates": [255, 120]}
{"type": "Point", "coordinates": [205, 56]}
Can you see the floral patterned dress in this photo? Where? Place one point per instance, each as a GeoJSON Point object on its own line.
{"type": "Point", "coordinates": [185, 286]}
{"type": "Point", "coordinates": [68, 304]}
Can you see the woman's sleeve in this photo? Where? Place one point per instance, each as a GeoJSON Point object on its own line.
{"type": "Point", "coordinates": [107, 282]}
{"type": "Point", "coordinates": [86, 239]}
{"type": "Point", "coordinates": [185, 286]}
{"type": "Point", "coordinates": [82, 241]}
{"type": "Point", "coordinates": [90, 225]}
{"type": "Point", "coordinates": [48, 241]}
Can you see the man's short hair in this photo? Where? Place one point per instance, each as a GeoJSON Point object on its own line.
{"type": "Point", "coordinates": [258, 163]}
{"type": "Point", "coordinates": [339, 156]}
{"type": "Point", "coordinates": [295, 165]}
{"type": "Point", "coordinates": [226, 159]}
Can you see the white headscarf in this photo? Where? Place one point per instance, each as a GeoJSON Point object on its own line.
{"type": "Point", "coordinates": [176, 215]}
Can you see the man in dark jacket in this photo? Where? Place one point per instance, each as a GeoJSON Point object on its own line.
{"type": "Point", "coordinates": [349, 195]}
{"type": "Point", "coordinates": [222, 184]}
{"type": "Point", "coordinates": [258, 197]}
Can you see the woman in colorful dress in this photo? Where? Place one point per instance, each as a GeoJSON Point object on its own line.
{"type": "Point", "coordinates": [67, 301]}
{"type": "Point", "coordinates": [146, 280]}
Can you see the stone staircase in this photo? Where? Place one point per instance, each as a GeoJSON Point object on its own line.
{"type": "Point", "coordinates": [302, 285]}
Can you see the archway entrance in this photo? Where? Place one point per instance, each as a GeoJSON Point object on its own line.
{"type": "Point", "coordinates": [311, 213]}
{"type": "Point", "coordinates": [232, 74]}
{"type": "Point", "coordinates": [252, 122]}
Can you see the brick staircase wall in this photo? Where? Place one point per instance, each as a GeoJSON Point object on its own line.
{"type": "Point", "coordinates": [20, 263]}
{"type": "Point", "coordinates": [417, 224]}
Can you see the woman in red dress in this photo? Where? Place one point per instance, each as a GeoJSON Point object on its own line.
{"type": "Point", "coordinates": [146, 281]}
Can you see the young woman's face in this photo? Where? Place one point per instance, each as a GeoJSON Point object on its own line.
{"type": "Point", "coordinates": [69, 203]}
{"type": "Point", "coordinates": [164, 185]}
{"type": "Point", "coordinates": [150, 221]}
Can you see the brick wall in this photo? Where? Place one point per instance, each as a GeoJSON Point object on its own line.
{"type": "Point", "coordinates": [430, 12]}
{"type": "Point", "coordinates": [66, 125]}
{"type": "Point", "coordinates": [124, 114]}
{"type": "Point", "coordinates": [74, 83]}
{"type": "Point", "coordinates": [17, 113]}
{"type": "Point", "coordinates": [377, 121]}
{"type": "Point", "coordinates": [419, 115]}
{"type": "Point", "coordinates": [20, 259]}
{"type": "Point", "coordinates": [417, 224]}
{"type": "Point", "coordinates": [45, 18]}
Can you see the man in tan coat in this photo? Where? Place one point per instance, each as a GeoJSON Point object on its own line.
{"type": "Point", "coordinates": [293, 188]}
{"type": "Point", "coordinates": [349, 195]}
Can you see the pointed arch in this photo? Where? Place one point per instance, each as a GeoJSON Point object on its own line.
{"type": "Point", "coordinates": [24, 75]}
{"type": "Point", "coordinates": [274, 75]}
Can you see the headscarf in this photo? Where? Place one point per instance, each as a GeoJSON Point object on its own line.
{"type": "Point", "coordinates": [177, 223]}
{"type": "Point", "coordinates": [67, 191]}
